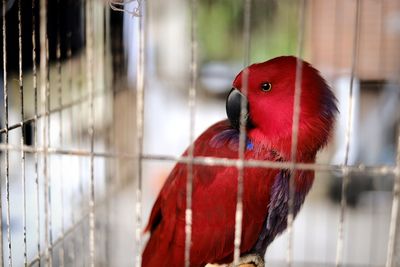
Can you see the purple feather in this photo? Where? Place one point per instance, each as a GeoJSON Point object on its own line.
{"type": "Point", "coordinates": [229, 137]}
{"type": "Point", "coordinates": [278, 209]}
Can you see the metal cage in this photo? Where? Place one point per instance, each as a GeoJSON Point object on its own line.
{"type": "Point", "coordinates": [84, 147]}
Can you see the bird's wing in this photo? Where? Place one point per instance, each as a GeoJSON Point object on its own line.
{"type": "Point", "coordinates": [213, 206]}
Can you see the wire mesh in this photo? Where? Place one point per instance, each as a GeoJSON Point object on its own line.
{"type": "Point", "coordinates": [21, 91]}
{"type": "Point", "coordinates": [242, 133]}
{"type": "Point", "coordinates": [75, 168]}
{"type": "Point", "coordinates": [60, 134]}
{"type": "Point", "coordinates": [393, 232]}
{"type": "Point", "coordinates": [6, 163]}
{"type": "Point", "coordinates": [343, 202]}
{"type": "Point", "coordinates": [90, 86]}
{"type": "Point", "coordinates": [140, 86]}
{"type": "Point", "coordinates": [192, 109]}
{"type": "Point", "coordinates": [35, 89]}
{"type": "Point", "coordinates": [295, 129]}
{"type": "Point", "coordinates": [49, 220]}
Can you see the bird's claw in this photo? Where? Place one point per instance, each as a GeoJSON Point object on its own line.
{"type": "Point", "coordinates": [249, 260]}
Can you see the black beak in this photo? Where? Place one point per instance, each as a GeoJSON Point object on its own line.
{"type": "Point", "coordinates": [233, 106]}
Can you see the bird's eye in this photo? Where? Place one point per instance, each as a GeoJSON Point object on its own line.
{"type": "Point", "coordinates": [266, 87]}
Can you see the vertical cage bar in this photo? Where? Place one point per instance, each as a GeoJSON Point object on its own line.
{"type": "Point", "coordinates": [60, 133]}
{"type": "Point", "coordinates": [77, 239]}
{"type": "Point", "coordinates": [43, 95]}
{"type": "Point", "coordinates": [48, 183]}
{"type": "Point", "coordinates": [72, 248]}
{"type": "Point", "coordinates": [21, 92]}
{"type": "Point", "coordinates": [242, 135]}
{"type": "Point", "coordinates": [295, 129]}
{"type": "Point", "coordinates": [346, 177]}
{"type": "Point", "coordinates": [6, 154]}
{"type": "Point", "coordinates": [391, 260]}
{"type": "Point", "coordinates": [192, 107]}
{"type": "Point", "coordinates": [80, 85]}
{"type": "Point", "coordinates": [140, 86]}
{"type": "Point", "coordinates": [90, 87]}
{"type": "Point", "coordinates": [111, 140]}
{"type": "Point", "coordinates": [35, 132]}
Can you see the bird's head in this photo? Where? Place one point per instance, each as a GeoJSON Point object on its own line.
{"type": "Point", "coordinates": [270, 98]}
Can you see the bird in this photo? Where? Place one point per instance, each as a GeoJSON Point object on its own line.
{"type": "Point", "coordinates": [268, 91]}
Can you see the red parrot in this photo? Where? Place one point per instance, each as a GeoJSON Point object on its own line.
{"type": "Point", "coordinates": [270, 97]}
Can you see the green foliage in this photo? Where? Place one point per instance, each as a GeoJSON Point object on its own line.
{"type": "Point", "coordinates": [273, 29]}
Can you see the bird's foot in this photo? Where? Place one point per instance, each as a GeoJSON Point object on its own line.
{"type": "Point", "coordinates": [249, 260]}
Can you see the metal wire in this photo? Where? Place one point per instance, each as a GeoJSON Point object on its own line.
{"type": "Point", "coordinates": [242, 134]}
{"type": "Point", "coordinates": [100, 202]}
{"type": "Point", "coordinates": [34, 75]}
{"type": "Point", "coordinates": [59, 240]}
{"type": "Point", "coordinates": [295, 129]}
{"type": "Point", "coordinates": [60, 133]}
{"type": "Point", "coordinates": [392, 258]}
{"type": "Point", "coordinates": [47, 150]}
{"type": "Point", "coordinates": [90, 86]}
{"type": "Point", "coordinates": [117, 4]}
{"type": "Point", "coordinates": [192, 106]}
{"type": "Point", "coordinates": [81, 100]}
{"type": "Point", "coordinates": [80, 85]}
{"type": "Point", "coordinates": [212, 161]}
{"type": "Point", "coordinates": [110, 142]}
{"type": "Point", "coordinates": [394, 219]}
{"type": "Point", "coordinates": [345, 170]}
{"type": "Point", "coordinates": [21, 91]}
{"type": "Point", "coordinates": [7, 163]}
{"type": "Point", "coordinates": [73, 247]}
{"type": "Point", "coordinates": [48, 182]}
{"type": "Point", "coordinates": [140, 87]}
{"type": "Point", "coordinates": [45, 127]}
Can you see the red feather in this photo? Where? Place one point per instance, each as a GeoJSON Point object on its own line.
{"type": "Point", "coordinates": [214, 204]}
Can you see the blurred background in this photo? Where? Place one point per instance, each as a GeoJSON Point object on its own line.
{"type": "Point", "coordinates": [49, 168]}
